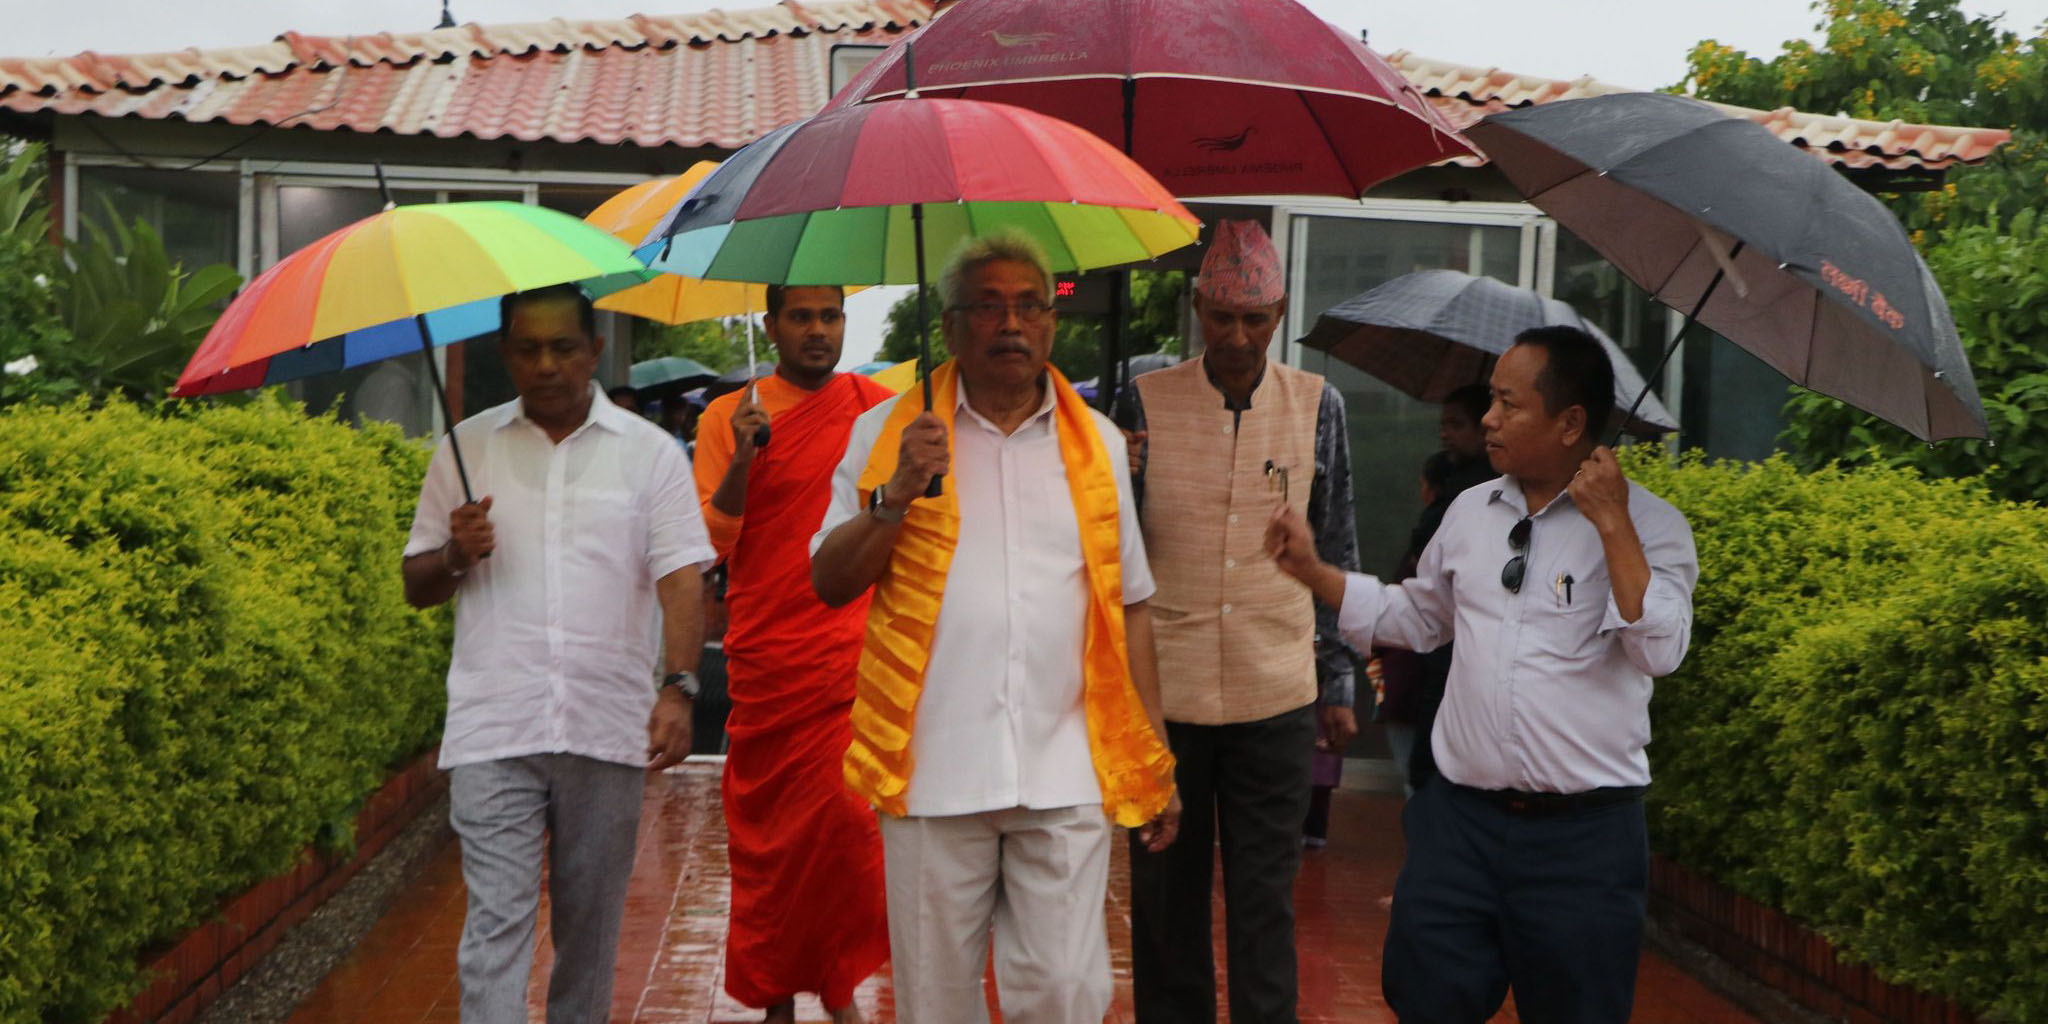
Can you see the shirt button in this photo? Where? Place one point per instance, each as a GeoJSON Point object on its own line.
{"type": "Point", "coordinates": [1226, 609]}
{"type": "Point", "coordinates": [1233, 517]}
{"type": "Point", "coordinates": [1226, 429]}
{"type": "Point", "coordinates": [1230, 563]}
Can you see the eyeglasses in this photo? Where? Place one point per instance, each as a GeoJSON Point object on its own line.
{"type": "Point", "coordinates": [804, 317]}
{"type": "Point", "coordinates": [1518, 541]}
{"type": "Point", "coordinates": [991, 312]}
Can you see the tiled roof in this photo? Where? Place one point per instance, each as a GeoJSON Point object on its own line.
{"type": "Point", "coordinates": [1465, 93]}
{"type": "Point", "coordinates": [717, 78]}
{"type": "Point", "coordinates": [600, 81]}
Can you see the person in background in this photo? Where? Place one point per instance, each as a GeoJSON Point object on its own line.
{"type": "Point", "coordinates": [806, 859]}
{"type": "Point", "coordinates": [587, 526]}
{"type": "Point", "coordinates": [625, 398]}
{"type": "Point", "coordinates": [1570, 590]}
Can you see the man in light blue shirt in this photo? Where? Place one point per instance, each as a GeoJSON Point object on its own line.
{"type": "Point", "coordinates": [1568, 589]}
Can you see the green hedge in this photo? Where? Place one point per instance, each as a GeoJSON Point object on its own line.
{"type": "Point", "coordinates": [206, 664]}
{"type": "Point", "coordinates": [1860, 734]}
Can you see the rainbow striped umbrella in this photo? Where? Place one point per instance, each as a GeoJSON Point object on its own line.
{"type": "Point", "coordinates": [405, 279]}
{"type": "Point", "coordinates": [832, 199]}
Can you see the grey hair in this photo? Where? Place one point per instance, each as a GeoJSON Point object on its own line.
{"type": "Point", "coordinates": [1011, 245]}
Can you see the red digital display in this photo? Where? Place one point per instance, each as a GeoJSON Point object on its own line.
{"type": "Point", "coordinates": [1063, 290]}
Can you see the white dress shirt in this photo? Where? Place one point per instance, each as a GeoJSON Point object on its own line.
{"type": "Point", "coordinates": [554, 632]}
{"type": "Point", "coordinates": [1549, 688]}
{"type": "Point", "coordinates": [1000, 722]}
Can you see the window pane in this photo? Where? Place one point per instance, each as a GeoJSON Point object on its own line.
{"type": "Point", "coordinates": [194, 212]}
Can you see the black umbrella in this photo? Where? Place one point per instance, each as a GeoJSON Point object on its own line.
{"type": "Point", "coordinates": [1434, 331]}
{"type": "Point", "coordinates": [1823, 283]}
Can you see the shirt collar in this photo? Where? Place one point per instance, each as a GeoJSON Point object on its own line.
{"type": "Point", "coordinates": [1508, 491]}
{"type": "Point", "coordinates": [604, 413]}
{"type": "Point", "coordinates": [1231, 404]}
{"type": "Point", "coordinates": [1045, 403]}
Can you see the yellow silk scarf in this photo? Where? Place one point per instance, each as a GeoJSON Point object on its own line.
{"type": "Point", "coordinates": [1131, 763]}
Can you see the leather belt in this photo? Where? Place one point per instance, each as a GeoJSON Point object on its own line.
{"type": "Point", "coordinates": [1549, 805]}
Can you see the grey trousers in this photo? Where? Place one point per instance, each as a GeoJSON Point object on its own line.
{"type": "Point", "coordinates": [1035, 880]}
{"type": "Point", "coordinates": [590, 812]}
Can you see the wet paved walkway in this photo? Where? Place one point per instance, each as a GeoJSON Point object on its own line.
{"type": "Point", "coordinates": [673, 944]}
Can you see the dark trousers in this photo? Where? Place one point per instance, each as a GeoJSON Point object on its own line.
{"type": "Point", "coordinates": [1246, 784]}
{"type": "Point", "coordinates": [1489, 899]}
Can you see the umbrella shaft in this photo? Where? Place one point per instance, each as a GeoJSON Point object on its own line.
{"type": "Point", "coordinates": [447, 411]}
{"type": "Point", "coordinates": [1692, 318]}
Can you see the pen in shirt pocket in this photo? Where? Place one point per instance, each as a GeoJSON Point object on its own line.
{"type": "Point", "coordinates": [1563, 587]}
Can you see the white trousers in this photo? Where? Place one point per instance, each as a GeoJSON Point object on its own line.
{"type": "Point", "coordinates": [1035, 878]}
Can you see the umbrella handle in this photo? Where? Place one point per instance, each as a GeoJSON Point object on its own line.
{"type": "Point", "coordinates": [937, 486]}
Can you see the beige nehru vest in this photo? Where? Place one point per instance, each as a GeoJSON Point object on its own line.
{"type": "Point", "coordinates": [1236, 636]}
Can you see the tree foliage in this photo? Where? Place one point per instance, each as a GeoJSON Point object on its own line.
{"type": "Point", "coordinates": [109, 313]}
{"type": "Point", "coordinates": [1928, 61]}
{"type": "Point", "coordinates": [718, 344]}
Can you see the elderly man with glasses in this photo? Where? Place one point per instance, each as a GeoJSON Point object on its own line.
{"type": "Point", "coordinates": [1007, 708]}
{"type": "Point", "coordinates": [1569, 589]}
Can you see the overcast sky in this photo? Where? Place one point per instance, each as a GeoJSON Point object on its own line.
{"type": "Point", "coordinates": [1637, 43]}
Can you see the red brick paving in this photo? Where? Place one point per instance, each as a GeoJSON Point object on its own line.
{"type": "Point", "coordinates": [672, 949]}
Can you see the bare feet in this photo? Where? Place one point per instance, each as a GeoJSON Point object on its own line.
{"type": "Point", "coordinates": [784, 1014]}
{"type": "Point", "coordinates": [848, 1014]}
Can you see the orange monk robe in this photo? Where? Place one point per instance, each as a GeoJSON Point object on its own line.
{"type": "Point", "coordinates": [807, 887]}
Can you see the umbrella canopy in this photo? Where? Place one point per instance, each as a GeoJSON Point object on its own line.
{"type": "Point", "coordinates": [398, 281]}
{"type": "Point", "coordinates": [830, 199]}
{"type": "Point", "coordinates": [670, 371]}
{"type": "Point", "coordinates": [1214, 97]}
{"type": "Point", "coordinates": [630, 217]}
{"type": "Point", "coordinates": [1822, 282]}
{"type": "Point", "coordinates": [1434, 331]}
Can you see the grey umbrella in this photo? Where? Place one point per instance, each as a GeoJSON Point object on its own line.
{"type": "Point", "coordinates": [1821, 281]}
{"type": "Point", "coordinates": [1434, 331]}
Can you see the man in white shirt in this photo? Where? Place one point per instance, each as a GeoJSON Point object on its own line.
{"type": "Point", "coordinates": [994, 663]}
{"type": "Point", "coordinates": [586, 528]}
{"type": "Point", "coordinates": [1568, 589]}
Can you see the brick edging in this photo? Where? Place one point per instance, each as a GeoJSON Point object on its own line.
{"type": "Point", "coordinates": [1779, 951]}
{"type": "Point", "coordinates": [192, 973]}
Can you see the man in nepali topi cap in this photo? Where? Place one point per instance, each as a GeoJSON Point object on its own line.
{"type": "Point", "coordinates": [1253, 677]}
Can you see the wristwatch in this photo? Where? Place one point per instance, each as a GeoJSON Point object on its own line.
{"type": "Point", "coordinates": [880, 510]}
{"type": "Point", "coordinates": [684, 681]}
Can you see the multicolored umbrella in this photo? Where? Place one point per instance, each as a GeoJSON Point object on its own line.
{"type": "Point", "coordinates": [394, 282]}
{"type": "Point", "coordinates": [831, 199]}
{"type": "Point", "coordinates": [404, 280]}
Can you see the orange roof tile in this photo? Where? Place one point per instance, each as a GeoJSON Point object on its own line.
{"type": "Point", "coordinates": [717, 78]}
{"type": "Point", "coordinates": [1465, 93]}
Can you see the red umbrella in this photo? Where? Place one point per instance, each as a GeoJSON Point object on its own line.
{"type": "Point", "coordinates": [1213, 97]}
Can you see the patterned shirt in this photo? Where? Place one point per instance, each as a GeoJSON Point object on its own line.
{"type": "Point", "coordinates": [1329, 515]}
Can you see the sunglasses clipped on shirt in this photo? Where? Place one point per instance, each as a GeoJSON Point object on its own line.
{"type": "Point", "coordinates": [1518, 541]}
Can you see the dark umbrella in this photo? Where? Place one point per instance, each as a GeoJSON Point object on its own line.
{"type": "Point", "coordinates": [734, 379]}
{"type": "Point", "coordinates": [669, 372]}
{"type": "Point", "coordinates": [1213, 97]}
{"type": "Point", "coordinates": [1823, 283]}
{"type": "Point", "coordinates": [1434, 331]}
